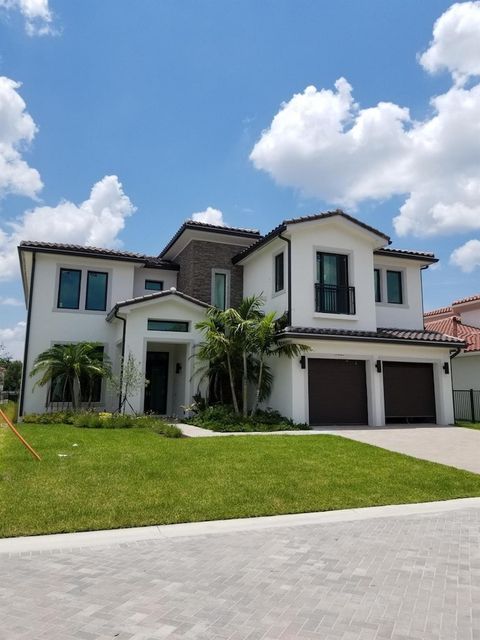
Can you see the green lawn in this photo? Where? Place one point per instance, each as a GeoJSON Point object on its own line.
{"type": "Point", "coordinates": [469, 425]}
{"type": "Point", "coordinates": [128, 477]}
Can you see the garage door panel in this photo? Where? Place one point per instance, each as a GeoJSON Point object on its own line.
{"type": "Point", "coordinates": [337, 391]}
{"type": "Point", "coordinates": [409, 391]}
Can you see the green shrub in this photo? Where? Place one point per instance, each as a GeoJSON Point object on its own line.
{"type": "Point", "coordinates": [223, 418]}
{"type": "Point", "coordinates": [56, 417]}
{"type": "Point", "coordinates": [167, 430]}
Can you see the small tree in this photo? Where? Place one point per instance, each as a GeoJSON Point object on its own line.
{"type": "Point", "coordinates": [67, 364]}
{"type": "Point", "coordinates": [129, 380]}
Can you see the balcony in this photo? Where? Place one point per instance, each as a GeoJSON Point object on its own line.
{"type": "Point", "coordinates": [331, 298]}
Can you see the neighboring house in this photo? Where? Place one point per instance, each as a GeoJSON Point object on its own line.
{"type": "Point", "coordinates": [353, 300]}
{"type": "Point", "coordinates": [461, 320]}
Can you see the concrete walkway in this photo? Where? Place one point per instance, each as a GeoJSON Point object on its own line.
{"type": "Point", "coordinates": [453, 446]}
{"type": "Point", "coordinates": [191, 431]}
{"type": "Point", "coordinates": [383, 575]}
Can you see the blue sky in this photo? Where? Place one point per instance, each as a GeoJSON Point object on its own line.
{"type": "Point", "coordinates": [172, 98]}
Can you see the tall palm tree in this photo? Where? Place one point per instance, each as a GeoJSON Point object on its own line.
{"type": "Point", "coordinates": [67, 364]}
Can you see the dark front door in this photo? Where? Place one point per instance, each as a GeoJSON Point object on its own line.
{"type": "Point", "coordinates": [409, 392]}
{"type": "Point", "coordinates": [337, 391]}
{"type": "Point", "coordinates": [157, 375]}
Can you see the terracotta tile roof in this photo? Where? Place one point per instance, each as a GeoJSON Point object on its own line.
{"type": "Point", "coordinates": [428, 256]}
{"type": "Point", "coordinates": [97, 252]}
{"type": "Point", "coordinates": [467, 299]}
{"type": "Point", "coordinates": [453, 326]}
{"type": "Point", "coordinates": [437, 312]}
{"type": "Point", "coordinates": [381, 335]}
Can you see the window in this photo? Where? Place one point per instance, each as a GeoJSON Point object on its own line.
{"type": "Point", "coordinates": [279, 272]}
{"type": "Point", "coordinates": [154, 285]}
{"type": "Point", "coordinates": [394, 287]}
{"type": "Point", "coordinates": [332, 293]}
{"type": "Point", "coordinates": [91, 390]}
{"type": "Point", "coordinates": [69, 289]}
{"type": "Point", "coordinates": [378, 285]}
{"type": "Point", "coordinates": [167, 325]}
{"type": "Point", "coordinates": [96, 299]}
{"type": "Point", "coordinates": [220, 289]}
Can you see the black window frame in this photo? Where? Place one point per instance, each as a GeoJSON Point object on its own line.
{"type": "Point", "coordinates": [150, 281]}
{"type": "Point", "coordinates": [377, 283]}
{"type": "Point", "coordinates": [225, 275]}
{"type": "Point", "coordinates": [345, 267]}
{"type": "Point", "coordinates": [279, 272]}
{"type": "Point", "coordinates": [400, 278]}
{"type": "Point", "coordinates": [62, 270]}
{"type": "Point", "coordinates": [103, 273]}
{"type": "Point", "coordinates": [184, 323]}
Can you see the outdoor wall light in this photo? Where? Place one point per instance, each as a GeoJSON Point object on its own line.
{"type": "Point", "coordinates": [178, 368]}
{"type": "Point", "coordinates": [446, 367]}
{"type": "Point", "coordinates": [378, 366]}
{"type": "Point", "coordinates": [303, 362]}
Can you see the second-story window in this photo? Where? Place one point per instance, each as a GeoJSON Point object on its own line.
{"type": "Point", "coordinates": [279, 272]}
{"type": "Point", "coordinates": [394, 287]}
{"type": "Point", "coordinates": [154, 285]}
{"type": "Point", "coordinates": [220, 286]}
{"type": "Point", "coordinates": [69, 288]}
{"type": "Point", "coordinates": [378, 285]}
{"type": "Point", "coordinates": [332, 293]}
{"type": "Point", "coordinates": [96, 298]}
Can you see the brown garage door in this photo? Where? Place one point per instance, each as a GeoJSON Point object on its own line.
{"type": "Point", "coordinates": [409, 392]}
{"type": "Point", "coordinates": [337, 391]}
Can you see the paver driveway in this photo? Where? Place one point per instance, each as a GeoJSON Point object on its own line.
{"type": "Point", "coordinates": [398, 578]}
{"type": "Point", "coordinates": [454, 446]}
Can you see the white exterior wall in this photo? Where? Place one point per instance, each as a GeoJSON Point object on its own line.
{"type": "Point", "coordinates": [290, 386]}
{"type": "Point", "coordinates": [180, 346]}
{"type": "Point", "coordinates": [466, 371]}
{"type": "Point", "coordinates": [469, 316]}
{"type": "Point", "coordinates": [408, 315]}
{"type": "Point", "coordinates": [49, 325]}
{"type": "Point", "coordinates": [168, 276]}
{"type": "Point", "coordinates": [258, 276]}
{"type": "Point", "coordinates": [331, 236]}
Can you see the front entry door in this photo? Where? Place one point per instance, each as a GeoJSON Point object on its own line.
{"type": "Point", "coordinates": [157, 375]}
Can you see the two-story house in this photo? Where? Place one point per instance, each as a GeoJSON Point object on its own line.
{"type": "Point", "coordinates": [354, 301]}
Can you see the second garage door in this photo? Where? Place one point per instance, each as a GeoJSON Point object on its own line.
{"type": "Point", "coordinates": [337, 392]}
{"type": "Point", "coordinates": [409, 392]}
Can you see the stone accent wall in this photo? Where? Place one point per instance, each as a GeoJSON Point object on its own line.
{"type": "Point", "coordinates": [196, 263]}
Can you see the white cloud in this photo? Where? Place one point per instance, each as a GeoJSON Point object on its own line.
{"type": "Point", "coordinates": [455, 44]}
{"type": "Point", "coordinates": [13, 339]}
{"type": "Point", "coordinates": [11, 302]}
{"type": "Point", "coordinates": [97, 221]}
{"type": "Point", "coordinates": [323, 143]}
{"type": "Point", "coordinates": [210, 216]}
{"type": "Point", "coordinates": [467, 257]}
{"type": "Point", "coordinates": [37, 14]}
{"type": "Point", "coordinates": [17, 130]}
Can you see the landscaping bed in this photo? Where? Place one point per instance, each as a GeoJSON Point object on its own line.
{"type": "Point", "coordinates": [108, 478]}
{"type": "Point", "coordinates": [224, 419]}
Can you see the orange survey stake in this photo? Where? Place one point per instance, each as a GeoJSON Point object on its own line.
{"type": "Point", "coordinates": [21, 438]}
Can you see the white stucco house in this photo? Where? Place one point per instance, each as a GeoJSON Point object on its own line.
{"type": "Point", "coordinates": [349, 296]}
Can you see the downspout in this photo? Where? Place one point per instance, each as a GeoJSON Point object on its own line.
{"type": "Point", "coordinates": [124, 331]}
{"type": "Point", "coordinates": [27, 336]}
{"type": "Point", "coordinates": [289, 278]}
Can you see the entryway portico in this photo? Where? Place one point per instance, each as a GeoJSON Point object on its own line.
{"type": "Point", "coordinates": [158, 330]}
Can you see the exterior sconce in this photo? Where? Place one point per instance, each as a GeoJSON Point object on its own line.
{"type": "Point", "coordinates": [303, 362]}
{"type": "Point", "coordinates": [178, 368]}
{"type": "Point", "coordinates": [378, 366]}
{"type": "Point", "coordinates": [446, 367]}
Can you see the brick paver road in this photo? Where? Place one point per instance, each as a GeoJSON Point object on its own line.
{"type": "Point", "coordinates": [399, 578]}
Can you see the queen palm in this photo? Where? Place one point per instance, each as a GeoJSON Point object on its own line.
{"type": "Point", "coordinates": [67, 365]}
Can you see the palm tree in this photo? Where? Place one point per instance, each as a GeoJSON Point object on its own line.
{"type": "Point", "coordinates": [67, 364]}
{"type": "Point", "coordinates": [265, 344]}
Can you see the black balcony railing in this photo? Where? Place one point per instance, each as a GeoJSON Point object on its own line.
{"type": "Point", "coordinates": [331, 298]}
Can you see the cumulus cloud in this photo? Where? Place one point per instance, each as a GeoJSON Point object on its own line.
{"type": "Point", "coordinates": [13, 339]}
{"type": "Point", "coordinates": [455, 44]}
{"type": "Point", "coordinates": [37, 14]}
{"type": "Point", "coordinates": [323, 143]}
{"type": "Point", "coordinates": [467, 257]}
{"type": "Point", "coordinates": [97, 221]}
{"type": "Point", "coordinates": [10, 302]}
{"type": "Point", "coordinates": [17, 130]}
{"type": "Point", "coordinates": [210, 216]}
